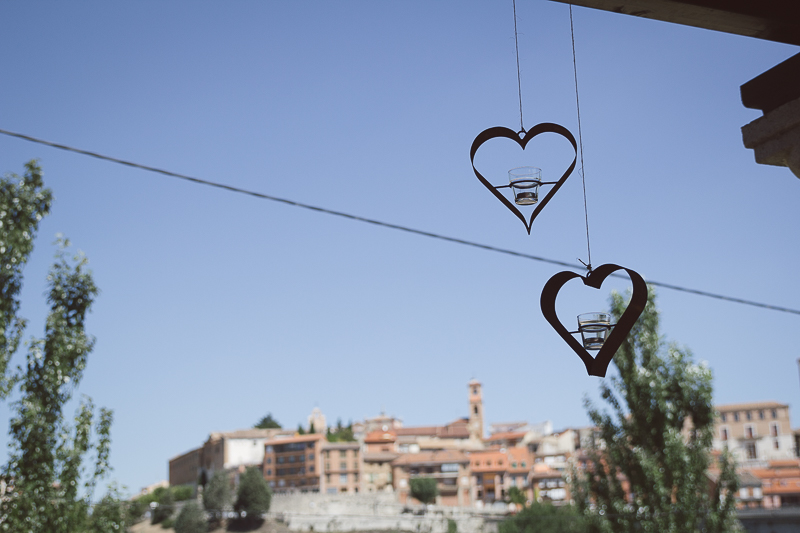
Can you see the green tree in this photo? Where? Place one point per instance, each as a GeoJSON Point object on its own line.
{"type": "Point", "coordinates": [191, 520]}
{"type": "Point", "coordinates": [50, 491]}
{"type": "Point", "coordinates": [268, 422]}
{"type": "Point", "coordinates": [515, 495]}
{"type": "Point", "coordinates": [657, 439]}
{"type": "Point", "coordinates": [217, 495]}
{"type": "Point", "coordinates": [253, 498]}
{"type": "Point", "coordinates": [111, 513]}
{"type": "Point", "coordinates": [165, 507]}
{"type": "Point", "coordinates": [424, 489]}
{"type": "Point", "coordinates": [544, 518]}
{"type": "Point", "coordinates": [182, 492]}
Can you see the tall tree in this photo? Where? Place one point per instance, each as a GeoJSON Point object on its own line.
{"type": "Point", "coordinates": [49, 490]}
{"type": "Point", "coordinates": [267, 422]}
{"type": "Point", "coordinates": [253, 498]}
{"type": "Point", "coordinates": [649, 465]}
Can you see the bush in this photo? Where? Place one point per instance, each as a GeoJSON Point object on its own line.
{"type": "Point", "coordinates": [166, 504]}
{"type": "Point", "coordinates": [424, 489]}
{"type": "Point", "coordinates": [545, 518]}
{"type": "Point", "coordinates": [217, 495]}
{"type": "Point", "coordinates": [109, 514]}
{"type": "Point", "coordinates": [183, 493]}
{"type": "Point", "coordinates": [168, 523]}
{"type": "Point", "coordinates": [452, 527]}
{"type": "Point", "coordinates": [253, 499]}
{"type": "Point", "coordinates": [191, 519]}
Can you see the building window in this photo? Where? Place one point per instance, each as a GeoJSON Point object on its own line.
{"type": "Point", "coordinates": [327, 478]}
{"type": "Point", "coordinates": [342, 453]}
{"type": "Point", "coordinates": [269, 472]}
{"type": "Point", "coordinates": [735, 417]}
{"type": "Point", "coordinates": [269, 460]}
{"type": "Point", "coordinates": [749, 415]}
{"type": "Point", "coordinates": [761, 414]}
{"type": "Point", "coordinates": [342, 466]}
{"type": "Point", "coordinates": [343, 479]}
{"type": "Point", "coordinates": [774, 413]}
{"type": "Point", "coordinates": [723, 433]}
{"type": "Point", "coordinates": [724, 417]}
{"type": "Point", "coordinates": [774, 429]}
{"type": "Point", "coordinates": [475, 409]}
{"type": "Point", "coordinates": [777, 444]}
{"type": "Point", "coordinates": [750, 448]}
{"type": "Point", "coordinates": [749, 432]}
{"type": "Point", "coordinates": [311, 457]}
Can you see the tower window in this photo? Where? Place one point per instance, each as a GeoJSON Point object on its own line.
{"type": "Point", "coordinates": [476, 409]}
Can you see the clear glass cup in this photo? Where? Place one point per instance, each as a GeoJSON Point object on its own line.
{"type": "Point", "coordinates": [525, 183]}
{"type": "Point", "coordinates": [594, 328]}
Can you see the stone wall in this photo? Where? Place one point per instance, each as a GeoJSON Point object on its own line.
{"type": "Point", "coordinates": [376, 511]}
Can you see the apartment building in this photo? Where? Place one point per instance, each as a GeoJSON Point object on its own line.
{"type": "Point", "coordinates": [495, 471]}
{"type": "Point", "coordinates": [754, 432]}
{"type": "Point", "coordinates": [221, 451]}
{"type": "Point", "coordinates": [450, 469]}
{"type": "Point", "coordinates": [294, 464]}
{"type": "Point", "coordinates": [343, 466]}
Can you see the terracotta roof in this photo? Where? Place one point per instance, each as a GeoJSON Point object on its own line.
{"type": "Point", "coordinates": [452, 431]}
{"type": "Point", "coordinates": [749, 406]}
{"type": "Point", "coordinates": [431, 458]}
{"type": "Point", "coordinates": [417, 431]}
{"type": "Point", "coordinates": [252, 433]}
{"type": "Point", "coordinates": [297, 438]}
{"type": "Point", "coordinates": [377, 437]}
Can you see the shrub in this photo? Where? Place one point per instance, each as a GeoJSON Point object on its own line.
{"type": "Point", "coordinates": [183, 492]}
{"type": "Point", "coordinates": [191, 519]}
{"type": "Point", "coordinates": [166, 504]}
{"type": "Point", "coordinates": [253, 499]}
{"type": "Point", "coordinates": [424, 489]}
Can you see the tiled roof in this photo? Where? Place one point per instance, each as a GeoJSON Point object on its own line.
{"type": "Point", "coordinates": [431, 458]}
{"type": "Point", "coordinates": [377, 437]}
{"type": "Point", "coordinates": [252, 433]}
{"type": "Point", "coordinates": [298, 438]}
{"type": "Point", "coordinates": [749, 406]}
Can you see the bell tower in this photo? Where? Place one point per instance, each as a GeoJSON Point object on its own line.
{"type": "Point", "coordinates": [475, 410]}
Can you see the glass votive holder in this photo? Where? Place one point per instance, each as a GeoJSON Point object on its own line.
{"type": "Point", "coordinates": [594, 328]}
{"type": "Point", "coordinates": [525, 183]}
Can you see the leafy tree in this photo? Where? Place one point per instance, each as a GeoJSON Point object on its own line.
{"type": "Point", "coordinates": [191, 519]}
{"type": "Point", "coordinates": [24, 201]}
{"type": "Point", "coordinates": [136, 509]}
{"type": "Point", "coordinates": [515, 495]}
{"type": "Point", "coordinates": [253, 498]}
{"type": "Point", "coordinates": [424, 489]}
{"type": "Point", "coordinates": [165, 507]}
{"type": "Point", "coordinates": [300, 430]}
{"type": "Point", "coordinates": [544, 518]}
{"type": "Point", "coordinates": [268, 422]}
{"type": "Point", "coordinates": [340, 433]}
{"type": "Point", "coordinates": [46, 459]}
{"type": "Point", "coordinates": [217, 495]}
{"type": "Point", "coordinates": [648, 470]}
{"type": "Point", "coordinates": [111, 513]}
{"type": "Point", "coordinates": [182, 492]}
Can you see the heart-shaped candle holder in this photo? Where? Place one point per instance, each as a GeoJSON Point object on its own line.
{"type": "Point", "coordinates": [500, 131]}
{"type": "Point", "coordinates": [596, 366]}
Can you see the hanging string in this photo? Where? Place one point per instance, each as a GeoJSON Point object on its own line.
{"type": "Point", "coordinates": [519, 81]}
{"type": "Point", "coordinates": [580, 141]}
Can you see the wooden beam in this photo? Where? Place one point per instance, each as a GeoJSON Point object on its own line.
{"type": "Point", "coordinates": [771, 20]}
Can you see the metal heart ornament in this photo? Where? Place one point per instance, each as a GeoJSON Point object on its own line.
{"type": "Point", "coordinates": [596, 366]}
{"type": "Point", "coordinates": [500, 131]}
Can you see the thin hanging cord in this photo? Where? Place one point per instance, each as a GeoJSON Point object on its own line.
{"type": "Point", "coordinates": [580, 140]}
{"type": "Point", "coordinates": [380, 223]}
{"type": "Point", "coordinates": [519, 80]}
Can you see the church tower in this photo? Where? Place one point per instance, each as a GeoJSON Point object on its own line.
{"type": "Point", "coordinates": [475, 410]}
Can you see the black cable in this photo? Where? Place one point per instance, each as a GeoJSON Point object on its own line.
{"type": "Point", "coordinates": [386, 224]}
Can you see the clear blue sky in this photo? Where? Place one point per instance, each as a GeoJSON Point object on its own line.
{"type": "Point", "coordinates": [217, 308]}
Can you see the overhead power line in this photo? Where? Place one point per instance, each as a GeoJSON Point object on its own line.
{"type": "Point", "coordinates": [386, 224]}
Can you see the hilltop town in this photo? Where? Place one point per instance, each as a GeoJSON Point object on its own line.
{"type": "Point", "coordinates": [471, 469]}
